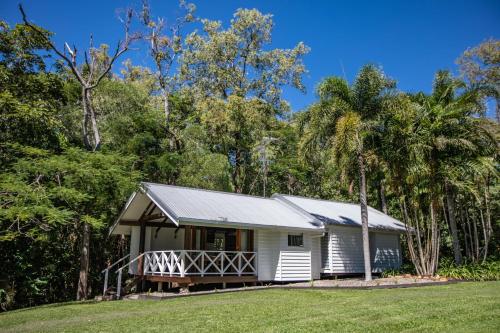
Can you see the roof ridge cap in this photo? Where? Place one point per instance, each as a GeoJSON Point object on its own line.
{"type": "Point", "coordinates": [207, 190]}
{"type": "Point", "coordinates": [282, 200]}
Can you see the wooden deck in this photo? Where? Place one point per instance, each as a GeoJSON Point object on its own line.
{"type": "Point", "coordinates": [201, 279]}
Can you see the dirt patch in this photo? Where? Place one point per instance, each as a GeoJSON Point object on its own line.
{"type": "Point", "coordinates": [406, 280]}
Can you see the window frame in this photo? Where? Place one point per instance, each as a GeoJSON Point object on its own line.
{"type": "Point", "coordinates": [295, 240]}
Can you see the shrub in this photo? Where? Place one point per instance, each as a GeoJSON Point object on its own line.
{"type": "Point", "coordinates": [406, 268]}
{"type": "Point", "coordinates": [487, 271]}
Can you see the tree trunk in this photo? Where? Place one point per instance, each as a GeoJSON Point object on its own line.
{"type": "Point", "coordinates": [86, 118]}
{"type": "Point", "coordinates": [464, 230]}
{"type": "Point", "coordinates": [89, 116]}
{"type": "Point", "coordinates": [434, 240]}
{"type": "Point", "coordinates": [166, 110]}
{"type": "Point", "coordinates": [476, 240]}
{"type": "Point", "coordinates": [82, 292]}
{"type": "Point", "coordinates": [489, 229]}
{"type": "Point", "coordinates": [364, 217]}
{"type": "Point", "coordinates": [238, 186]}
{"type": "Point", "coordinates": [450, 201]}
{"type": "Point", "coordinates": [383, 202]}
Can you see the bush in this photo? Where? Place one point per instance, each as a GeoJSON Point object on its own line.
{"type": "Point", "coordinates": [406, 268]}
{"type": "Point", "coordinates": [487, 271]}
{"type": "Point", "coordinates": [6, 299]}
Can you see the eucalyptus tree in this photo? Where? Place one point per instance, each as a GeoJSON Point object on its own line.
{"type": "Point", "coordinates": [480, 67]}
{"type": "Point", "coordinates": [238, 83]}
{"type": "Point", "coordinates": [165, 47]}
{"type": "Point", "coordinates": [343, 122]}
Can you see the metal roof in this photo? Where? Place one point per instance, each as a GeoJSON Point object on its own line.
{"type": "Point", "coordinates": [183, 205]}
{"type": "Point", "coordinates": [342, 213]}
{"type": "Point", "coordinates": [195, 205]}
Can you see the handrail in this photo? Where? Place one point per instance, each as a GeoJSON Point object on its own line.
{"type": "Point", "coordinates": [120, 271]}
{"type": "Point", "coordinates": [106, 273]}
{"type": "Point", "coordinates": [190, 262]}
{"type": "Point", "coordinates": [131, 261]}
{"type": "Point", "coordinates": [199, 262]}
{"type": "Point", "coordinates": [115, 263]}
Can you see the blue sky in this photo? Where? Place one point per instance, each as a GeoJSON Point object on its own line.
{"type": "Point", "coordinates": [411, 40]}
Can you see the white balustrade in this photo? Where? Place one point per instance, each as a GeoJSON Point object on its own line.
{"type": "Point", "coordinates": [182, 263]}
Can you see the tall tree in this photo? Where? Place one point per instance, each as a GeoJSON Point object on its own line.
{"type": "Point", "coordinates": [480, 66]}
{"type": "Point", "coordinates": [231, 71]}
{"type": "Point", "coordinates": [97, 64]}
{"type": "Point", "coordinates": [431, 143]}
{"type": "Point", "coordinates": [343, 121]}
{"type": "Point", "coordinates": [165, 46]}
{"type": "Point", "coordinates": [457, 139]}
{"type": "Point", "coordinates": [31, 98]}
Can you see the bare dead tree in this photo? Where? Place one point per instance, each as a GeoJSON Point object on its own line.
{"type": "Point", "coordinates": [89, 75]}
{"type": "Point", "coordinates": [165, 47]}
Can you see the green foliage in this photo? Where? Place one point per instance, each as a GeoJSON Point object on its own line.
{"type": "Point", "coordinates": [45, 197]}
{"type": "Point", "coordinates": [406, 268]}
{"type": "Point", "coordinates": [235, 61]}
{"type": "Point", "coordinates": [18, 46]}
{"type": "Point", "coordinates": [30, 98]}
{"type": "Point", "coordinates": [484, 271]}
{"type": "Point", "coordinates": [206, 170]}
{"type": "Point", "coordinates": [43, 191]}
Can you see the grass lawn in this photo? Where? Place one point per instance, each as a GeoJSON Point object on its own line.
{"type": "Point", "coordinates": [463, 307]}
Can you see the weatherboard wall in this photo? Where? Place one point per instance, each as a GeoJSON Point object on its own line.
{"type": "Point", "coordinates": [344, 247]}
{"type": "Point", "coordinates": [276, 261]}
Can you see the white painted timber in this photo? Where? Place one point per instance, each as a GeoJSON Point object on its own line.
{"type": "Point", "coordinates": [345, 250]}
{"type": "Point", "coordinates": [385, 251]}
{"type": "Point", "coordinates": [316, 257]}
{"type": "Point", "coordinates": [294, 266]}
{"type": "Point", "coordinates": [183, 263]}
{"type": "Point", "coordinates": [167, 238]}
{"type": "Point", "coordinates": [326, 246]}
{"type": "Point", "coordinates": [134, 246]}
{"type": "Point", "coordinates": [268, 251]}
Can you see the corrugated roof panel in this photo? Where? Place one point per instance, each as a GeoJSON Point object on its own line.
{"type": "Point", "coordinates": [343, 213]}
{"type": "Point", "coordinates": [203, 205]}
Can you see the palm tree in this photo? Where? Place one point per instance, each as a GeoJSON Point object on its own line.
{"type": "Point", "coordinates": [432, 145]}
{"type": "Point", "coordinates": [456, 141]}
{"type": "Point", "coordinates": [342, 122]}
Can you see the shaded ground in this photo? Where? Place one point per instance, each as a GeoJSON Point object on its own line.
{"type": "Point", "coordinates": [463, 307]}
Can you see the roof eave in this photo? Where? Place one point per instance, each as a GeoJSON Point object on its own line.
{"type": "Point", "coordinates": [232, 224]}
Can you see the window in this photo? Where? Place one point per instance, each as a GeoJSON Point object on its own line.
{"type": "Point", "coordinates": [296, 240]}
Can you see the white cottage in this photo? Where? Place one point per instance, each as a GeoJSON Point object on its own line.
{"type": "Point", "coordinates": [186, 235]}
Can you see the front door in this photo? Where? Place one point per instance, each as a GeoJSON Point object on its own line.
{"type": "Point", "coordinates": [218, 239]}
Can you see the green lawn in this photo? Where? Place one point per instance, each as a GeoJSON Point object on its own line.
{"type": "Point", "coordinates": [464, 307]}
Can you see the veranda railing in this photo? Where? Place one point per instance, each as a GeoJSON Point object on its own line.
{"type": "Point", "coordinates": [182, 263]}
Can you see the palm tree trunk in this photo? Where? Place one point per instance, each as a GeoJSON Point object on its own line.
{"type": "Point", "coordinates": [364, 217]}
{"type": "Point", "coordinates": [450, 201]}
{"type": "Point", "coordinates": [476, 239]}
